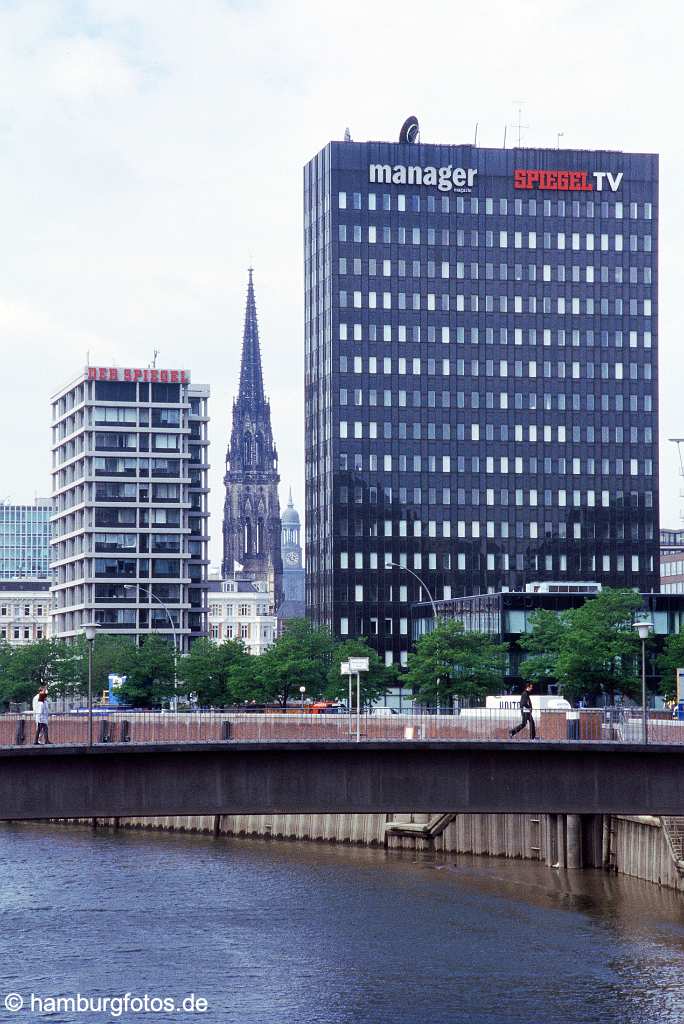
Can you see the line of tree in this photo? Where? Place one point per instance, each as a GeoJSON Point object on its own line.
{"type": "Point", "coordinates": [591, 652]}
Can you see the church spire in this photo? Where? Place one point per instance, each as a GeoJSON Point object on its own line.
{"type": "Point", "coordinates": [251, 379]}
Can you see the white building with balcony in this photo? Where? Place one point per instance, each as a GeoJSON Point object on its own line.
{"type": "Point", "coordinates": [129, 529]}
{"type": "Point", "coordinates": [242, 608]}
{"type": "Point", "coordinates": [24, 611]}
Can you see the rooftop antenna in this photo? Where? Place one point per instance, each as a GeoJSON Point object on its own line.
{"type": "Point", "coordinates": [559, 136]}
{"type": "Point", "coordinates": [154, 360]}
{"type": "Point", "coordinates": [505, 130]}
{"type": "Point", "coordinates": [520, 104]}
{"type": "Point", "coordinates": [679, 441]}
{"type": "Point", "coordinates": [347, 135]}
{"type": "Point", "coordinates": [477, 123]}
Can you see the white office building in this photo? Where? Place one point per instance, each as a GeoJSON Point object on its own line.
{"type": "Point", "coordinates": [242, 608]}
{"type": "Point", "coordinates": [24, 611]}
{"type": "Point", "coordinates": [130, 523]}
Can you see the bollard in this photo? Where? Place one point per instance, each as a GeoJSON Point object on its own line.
{"type": "Point", "coordinates": [104, 732]}
{"type": "Point", "coordinates": [573, 724]}
{"type": "Point", "coordinates": [125, 731]}
{"type": "Point", "coordinates": [20, 736]}
{"type": "Point", "coordinates": [226, 731]}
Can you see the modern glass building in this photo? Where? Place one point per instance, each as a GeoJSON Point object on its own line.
{"type": "Point", "coordinates": [25, 540]}
{"type": "Point", "coordinates": [481, 376]}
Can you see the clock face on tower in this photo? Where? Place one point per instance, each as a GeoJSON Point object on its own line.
{"type": "Point", "coordinates": [292, 558]}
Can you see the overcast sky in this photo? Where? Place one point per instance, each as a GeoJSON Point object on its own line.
{"type": "Point", "coordinates": [151, 149]}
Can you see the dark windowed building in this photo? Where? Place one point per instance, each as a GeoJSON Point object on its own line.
{"type": "Point", "coordinates": [481, 376]}
{"type": "Point", "coordinates": [251, 518]}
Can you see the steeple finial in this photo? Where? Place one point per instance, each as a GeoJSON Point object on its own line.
{"type": "Point", "coordinates": [290, 503]}
{"type": "Point", "coordinates": [251, 380]}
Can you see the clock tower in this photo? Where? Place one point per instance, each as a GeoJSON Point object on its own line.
{"type": "Point", "coordinates": [293, 569]}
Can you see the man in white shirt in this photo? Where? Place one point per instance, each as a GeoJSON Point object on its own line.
{"type": "Point", "coordinates": [41, 713]}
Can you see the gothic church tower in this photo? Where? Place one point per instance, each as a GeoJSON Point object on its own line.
{"type": "Point", "coordinates": [251, 518]}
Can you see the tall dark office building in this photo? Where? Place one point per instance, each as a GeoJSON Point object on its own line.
{"type": "Point", "coordinates": [251, 518]}
{"type": "Point", "coordinates": [481, 375]}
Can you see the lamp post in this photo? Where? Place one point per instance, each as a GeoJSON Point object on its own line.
{"type": "Point", "coordinates": [421, 581]}
{"type": "Point", "coordinates": [90, 630]}
{"type": "Point", "coordinates": [358, 665]}
{"type": "Point", "coordinates": [302, 690]}
{"type": "Point", "coordinates": [153, 597]}
{"type": "Point", "coordinates": [345, 671]}
{"type": "Point", "coordinates": [643, 628]}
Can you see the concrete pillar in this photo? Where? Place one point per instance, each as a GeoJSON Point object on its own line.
{"type": "Point", "coordinates": [550, 839]}
{"type": "Point", "coordinates": [560, 840]}
{"type": "Point", "coordinates": [574, 840]}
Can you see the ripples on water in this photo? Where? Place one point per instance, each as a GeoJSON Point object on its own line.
{"type": "Point", "coordinates": [284, 933]}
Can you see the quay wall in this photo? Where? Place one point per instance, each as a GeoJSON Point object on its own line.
{"type": "Point", "coordinates": [635, 846]}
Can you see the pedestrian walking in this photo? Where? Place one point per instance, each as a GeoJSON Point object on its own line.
{"type": "Point", "coordinates": [526, 713]}
{"type": "Point", "coordinates": [41, 713]}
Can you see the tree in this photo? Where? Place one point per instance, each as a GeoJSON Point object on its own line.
{"type": "Point", "coordinates": [301, 656]}
{"type": "Point", "coordinates": [217, 673]}
{"type": "Point", "coordinates": [671, 658]}
{"type": "Point", "coordinates": [595, 648]}
{"type": "Point", "coordinates": [149, 671]}
{"type": "Point", "coordinates": [448, 662]}
{"type": "Point", "coordinates": [543, 646]}
{"type": "Point", "coordinates": [25, 668]}
{"type": "Point", "coordinates": [374, 684]}
{"type": "Point", "coordinates": [111, 654]}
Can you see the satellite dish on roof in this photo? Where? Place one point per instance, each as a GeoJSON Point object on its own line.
{"type": "Point", "coordinates": [410, 130]}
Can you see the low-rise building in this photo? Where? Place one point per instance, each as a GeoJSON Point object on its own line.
{"type": "Point", "coordinates": [242, 608]}
{"type": "Point", "coordinates": [24, 611]}
{"type": "Point", "coordinates": [672, 561]}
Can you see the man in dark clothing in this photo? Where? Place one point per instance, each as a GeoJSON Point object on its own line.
{"type": "Point", "coordinates": [526, 712]}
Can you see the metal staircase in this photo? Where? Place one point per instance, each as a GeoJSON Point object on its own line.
{"type": "Point", "coordinates": [673, 827]}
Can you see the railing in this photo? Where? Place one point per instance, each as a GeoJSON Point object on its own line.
{"type": "Point", "coordinates": [131, 727]}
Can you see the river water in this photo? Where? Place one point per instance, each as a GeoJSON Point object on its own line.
{"type": "Point", "coordinates": [285, 933]}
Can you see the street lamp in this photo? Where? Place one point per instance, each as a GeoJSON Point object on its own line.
{"type": "Point", "coordinates": [90, 630]}
{"type": "Point", "coordinates": [345, 671]}
{"type": "Point", "coordinates": [421, 581]}
{"type": "Point", "coordinates": [643, 628]}
{"type": "Point", "coordinates": [302, 690]}
{"type": "Point", "coordinates": [358, 665]}
{"type": "Point", "coordinates": [153, 597]}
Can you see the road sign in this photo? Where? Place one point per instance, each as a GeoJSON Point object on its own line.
{"type": "Point", "coordinates": [359, 664]}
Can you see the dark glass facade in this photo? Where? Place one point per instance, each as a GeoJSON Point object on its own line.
{"type": "Point", "coordinates": [481, 376]}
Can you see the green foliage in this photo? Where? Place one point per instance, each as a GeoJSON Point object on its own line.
{"type": "Point", "coordinates": [301, 656]}
{"type": "Point", "coordinates": [111, 654]}
{"type": "Point", "coordinates": [219, 674]}
{"type": "Point", "coordinates": [374, 684]}
{"type": "Point", "coordinates": [449, 662]}
{"type": "Point", "coordinates": [591, 650]}
{"type": "Point", "coordinates": [542, 645]}
{"type": "Point", "coordinates": [671, 658]}
{"type": "Point", "coordinates": [149, 671]}
{"type": "Point", "coordinates": [25, 668]}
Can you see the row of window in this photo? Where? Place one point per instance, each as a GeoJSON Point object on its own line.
{"type": "Point", "coordinates": [491, 497]}
{"type": "Point", "coordinates": [501, 368]}
{"type": "Point", "coordinates": [418, 399]}
{"type": "Point", "coordinates": [504, 206]}
{"type": "Point", "coordinates": [22, 633]}
{"type": "Point", "coordinates": [559, 240]}
{"type": "Point", "coordinates": [11, 610]}
{"type": "Point", "coordinates": [243, 609]}
{"type": "Point", "coordinates": [476, 303]}
{"type": "Point", "coordinates": [672, 568]}
{"type": "Point", "coordinates": [499, 271]}
{"type": "Point", "coordinates": [559, 336]}
{"type": "Point", "coordinates": [243, 632]}
{"type": "Point", "coordinates": [505, 466]}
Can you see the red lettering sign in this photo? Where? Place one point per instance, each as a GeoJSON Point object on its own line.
{"type": "Point", "coordinates": [553, 181]}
